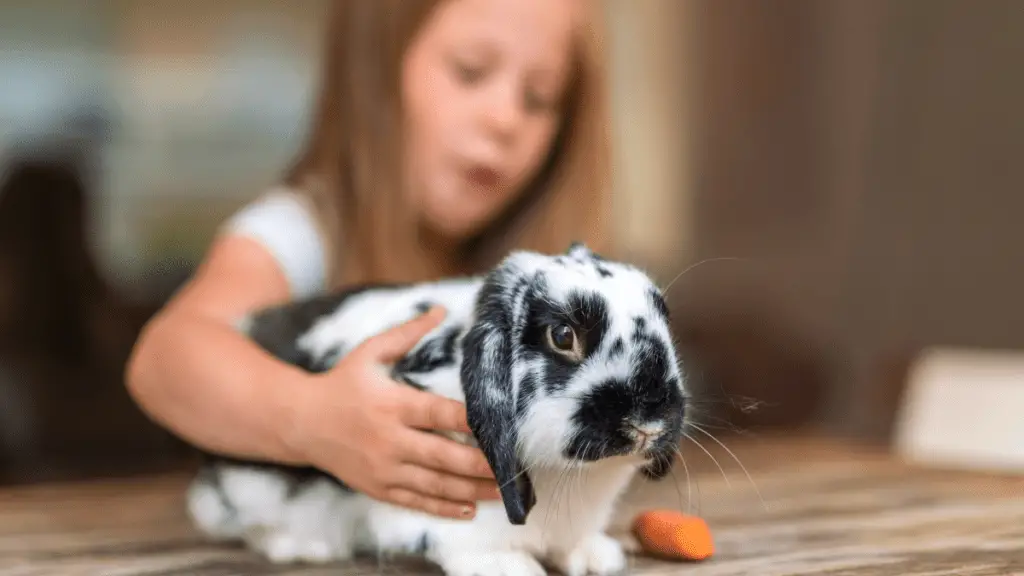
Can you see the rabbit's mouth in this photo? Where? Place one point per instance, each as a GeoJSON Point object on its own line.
{"type": "Point", "coordinates": [645, 443]}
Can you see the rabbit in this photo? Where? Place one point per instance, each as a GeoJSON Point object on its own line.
{"type": "Point", "coordinates": [572, 385]}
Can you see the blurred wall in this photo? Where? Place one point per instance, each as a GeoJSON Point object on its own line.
{"type": "Point", "coordinates": [213, 100]}
{"type": "Point", "coordinates": [864, 157]}
{"type": "Point", "coordinates": [649, 68]}
{"type": "Point", "coordinates": [939, 251]}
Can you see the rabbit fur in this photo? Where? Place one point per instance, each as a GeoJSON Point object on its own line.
{"type": "Point", "coordinates": [571, 382]}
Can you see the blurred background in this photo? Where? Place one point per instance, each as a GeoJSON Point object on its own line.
{"type": "Point", "coordinates": [857, 164]}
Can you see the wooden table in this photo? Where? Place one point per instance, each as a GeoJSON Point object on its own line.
{"type": "Point", "coordinates": [819, 508]}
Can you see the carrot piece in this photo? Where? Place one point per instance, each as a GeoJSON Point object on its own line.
{"type": "Point", "coordinates": [673, 535]}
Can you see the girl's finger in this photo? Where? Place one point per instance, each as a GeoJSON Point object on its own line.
{"type": "Point", "coordinates": [436, 506]}
{"type": "Point", "coordinates": [439, 453]}
{"type": "Point", "coordinates": [435, 484]}
{"type": "Point", "coordinates": [429, 411]}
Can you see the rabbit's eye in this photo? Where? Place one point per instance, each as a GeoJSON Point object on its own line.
{"type": "Point", "coordinates": [563, 339]}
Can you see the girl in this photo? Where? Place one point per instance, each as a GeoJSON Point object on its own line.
{"type": "Point", "coordinates": [446, 133]}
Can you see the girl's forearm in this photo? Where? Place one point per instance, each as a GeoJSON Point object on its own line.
{"type": "Point", "coordinates": [209, 385]}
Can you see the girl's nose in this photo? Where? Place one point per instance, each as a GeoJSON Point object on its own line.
{"type": "Point", "coordinates": [504, 113]}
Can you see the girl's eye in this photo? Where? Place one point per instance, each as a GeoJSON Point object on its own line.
{"type": "Point", "coordinates": [538, 103]}
{"type": "Point", "coordinates": [468, 74]}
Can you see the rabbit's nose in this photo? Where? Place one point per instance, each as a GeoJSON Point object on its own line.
{"type": "Point", "coordinates": [645, 435]}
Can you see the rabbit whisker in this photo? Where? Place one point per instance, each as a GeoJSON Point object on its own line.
{"type": "Point", "coordinates": [711, 456]}
{"type": "Point", "coordinates": [577, 481]}
{"type": "Point", "coordinates": [689, 484]}
{"type": "Point", "coordinates": [736, 458]}
{"type": "Point", "coordinates": [556, 499]}
{"type": "Point", "coordinates": [692, 266]}
{"type": "Point", "coordinates": [525, 470]}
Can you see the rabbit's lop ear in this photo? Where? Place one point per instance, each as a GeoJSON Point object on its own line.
{"type": "Point", "coordinates": [490, 399]}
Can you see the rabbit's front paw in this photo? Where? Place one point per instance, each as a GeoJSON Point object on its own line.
{"type": "Point", "coordinates": [492, 564]}
{"type": "Point", "coordinates": [598, 555]}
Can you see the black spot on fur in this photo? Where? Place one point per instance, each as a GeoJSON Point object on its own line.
{"type": "Point", "coordinates": [600, 422]}
{"type": "Point", "coordinates": [422, 544]}
{"type": "Point", "coordinates": [603, 271]}
{"type": "Point", "coordinates": [650, 385]}
{"type": "Point", "coordinates": [277, 329]}
{"type": "Point", "coordinates": [437, 352]}
{"type": "Point", "coordinates": [406, 379]}
{"type": "Point", "coordinates": [519, 290]}
{"type": "Point", "coordinates": [207, 474]}
{"type": "Point", "coordinates": [589, 314]}
{"type": "Point", "coordinates": [639, 325]}
{"type": "Point", "coordinates": [658, 301]}
{"type": "Point", "coordinates": [328, 360]}
{"type": "Point", "coordinates": [640, 333]}
{"type": "Point", "coordinates": [618, 349]}
{"type": "Point", "coordinates": [527, 388]}
{"type": "Point", "coordinates": [423, 307]}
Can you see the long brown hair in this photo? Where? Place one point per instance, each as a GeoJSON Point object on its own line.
{"type": "Point", "coordinates": [350, 167]}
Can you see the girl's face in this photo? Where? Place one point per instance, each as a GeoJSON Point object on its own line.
{"type": "Point", "coordinates": [482, 84]}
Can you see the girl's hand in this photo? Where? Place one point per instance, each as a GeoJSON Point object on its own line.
{"type": "Point", "coordinates": [371, 432]}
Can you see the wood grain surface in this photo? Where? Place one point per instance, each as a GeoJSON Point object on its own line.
{"type": "Point", "coordinates": [813, 507]}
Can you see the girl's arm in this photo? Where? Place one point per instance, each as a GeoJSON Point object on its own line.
{"type": "Point", "coordinates": [194, 374]}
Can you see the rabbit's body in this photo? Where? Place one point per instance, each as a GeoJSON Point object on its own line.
{"type": "Point", "coordinates": [565, 430]}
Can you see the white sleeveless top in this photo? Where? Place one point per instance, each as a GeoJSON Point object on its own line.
{"type": "Point", "coordinates": [282, 221]}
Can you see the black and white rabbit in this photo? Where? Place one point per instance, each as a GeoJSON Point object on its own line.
{"type": "Point", "coordinates": [571, 382]}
